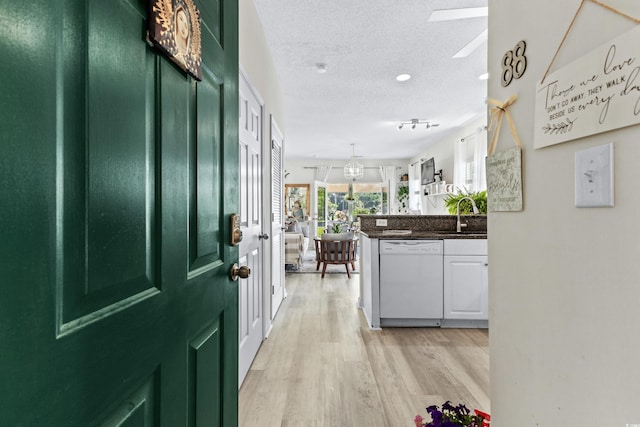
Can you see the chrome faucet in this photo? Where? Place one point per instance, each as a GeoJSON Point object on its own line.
{"type": "Point", "coordinates": [475, 211]}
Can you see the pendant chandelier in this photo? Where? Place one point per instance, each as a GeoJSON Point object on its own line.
{"type": "Point", "coordinates": [353, 169]}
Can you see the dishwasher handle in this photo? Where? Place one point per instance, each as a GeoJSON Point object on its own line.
{"type": "Point", "coordinates": [405, 243]}
{"type": "Point", "coordinates": [428, 247]}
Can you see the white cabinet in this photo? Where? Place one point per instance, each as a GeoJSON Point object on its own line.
{"type": "Point", "coordinates": [369, 300]}
{"type": "Point", "coordinates": [463, 296]}
{"type": "Point", "coordinates": [466, 290]}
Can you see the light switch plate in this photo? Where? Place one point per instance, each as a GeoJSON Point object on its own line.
{"type": "Point", "coordinates": [594, 177]}
{"type": "Point", "coordinates": [381, 222]}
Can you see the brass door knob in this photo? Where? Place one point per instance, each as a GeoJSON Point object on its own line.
{"type": "Point", "coordinates": [239, 272]}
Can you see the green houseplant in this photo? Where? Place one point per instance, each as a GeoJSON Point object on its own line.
{"type": "Point", "coordinates": [479, 197]}
{"type": "Point", "coordinates": [403, 198]}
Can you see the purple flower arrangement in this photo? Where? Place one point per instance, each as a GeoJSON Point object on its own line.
{"type": "Point", "coordinates": [453, 416]}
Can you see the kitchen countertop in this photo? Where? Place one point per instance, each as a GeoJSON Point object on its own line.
{"type": "Point", "coordinates": [423, 227]}
{"type": "Point", "coordinates": [424, 235]}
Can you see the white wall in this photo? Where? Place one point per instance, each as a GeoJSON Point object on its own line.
{"type": "Point", "coordinates": [442, 151]}
{"type": "Point", "coordinates": [564, 285]}
{"type": "Point", "coordinates": [256, 60]}
{"type": "Point", "coordinates": [257, 63]}
{"type": "Point", "coordinates": [443, 154]}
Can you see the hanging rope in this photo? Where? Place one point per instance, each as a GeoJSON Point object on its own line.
{"type": "Point", "coordinates": [498, 111]}
{"type": "Point", "coordinates": [616, 11]}
{"type": "Point", "coordinates": [599, 3]}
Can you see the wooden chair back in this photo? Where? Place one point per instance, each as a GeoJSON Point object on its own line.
{"type": "Point", "coordinates": [336, 252]}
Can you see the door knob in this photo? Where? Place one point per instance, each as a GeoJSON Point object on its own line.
{"type": "Point", "coordinates": [239, 272]}
{"type": "Point", "coordinates": [264, 236]}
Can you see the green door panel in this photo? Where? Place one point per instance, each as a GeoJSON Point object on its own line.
{"type": "Point", "coordinates": [115, 303]}
{"type": "Point", "coordinates": [108, 150]}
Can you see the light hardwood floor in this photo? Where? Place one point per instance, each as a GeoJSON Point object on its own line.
{"type": "Point", "coordinates": [322, 366]}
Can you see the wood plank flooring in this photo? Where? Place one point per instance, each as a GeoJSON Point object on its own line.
{"type": "Point", "coordinates": [322, 365]}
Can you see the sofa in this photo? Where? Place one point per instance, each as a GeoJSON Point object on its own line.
{"type": "Point", "coordinates": [296, 242]}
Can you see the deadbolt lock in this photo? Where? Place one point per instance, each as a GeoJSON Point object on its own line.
{"type": "Point", "coordinates": [236, 233]}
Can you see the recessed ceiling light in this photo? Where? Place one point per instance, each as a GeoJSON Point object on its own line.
{"type": "Point", "coordinates": [453, 14]}
{"type": "Point", "coordinates": [321, 67]}
{"type": "Point", "coordinates": [473, 45]}
{"type": "Point", "coordinates": [403, 77]}
{"type": "Point", "coordinates": [484, 76]}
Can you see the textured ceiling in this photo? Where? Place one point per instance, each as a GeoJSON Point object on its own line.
{"type": "Point", "coordinates": [365, 45]}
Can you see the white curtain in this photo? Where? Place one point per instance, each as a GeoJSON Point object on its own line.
{"type": "Point", "coordinates": [415, 193]}
{"type": "Point", "coordinates": [389, 178]}
{"type": "Point", "coordinates": [459, 171]}
{"type": "Point", "coordinates": [480, 156]}
{"type": "Point", "coordinates": [322, 173]}
{"type": "Point", "coordinates": [469, 162]}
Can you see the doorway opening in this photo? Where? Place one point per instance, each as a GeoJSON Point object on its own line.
{"type": "Point", "coordinates": [342, 203]}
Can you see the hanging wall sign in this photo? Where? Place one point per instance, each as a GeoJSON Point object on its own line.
{"type": "Point", "coordinates": [504, 180]}
{"type": "Point", "coordinates": [504, 169]}
{"type": "Point", "coordinates": [595, 93]}
{"type": "Point", "coordinates": [174, 27]}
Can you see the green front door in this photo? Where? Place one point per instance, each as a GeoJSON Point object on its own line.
{"type": "Point", "coordinates": [117, 177]}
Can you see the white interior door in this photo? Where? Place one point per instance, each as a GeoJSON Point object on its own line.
{"type": "Point", "coordinates": [250, 297]}
{"type": "Point", "coordinates": [278, 290]}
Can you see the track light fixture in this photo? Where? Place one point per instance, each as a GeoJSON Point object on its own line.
{"type": "Point", "coordinates": [416, 122]}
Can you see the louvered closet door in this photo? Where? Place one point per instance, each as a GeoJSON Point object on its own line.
{"type": "Point", "coordinates": [278, 291]}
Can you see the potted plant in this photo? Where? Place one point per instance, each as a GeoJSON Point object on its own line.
{"type": "Point", "coordinates": [479, 197]}
{"type": "Point", "coordinates": [453, 416]}
{"type": "Point", "coordinates": [349, 197]}
{"type": "Point", "coordinates": [403, 198]}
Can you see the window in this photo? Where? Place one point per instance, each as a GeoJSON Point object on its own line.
{"type": "Point", "coordinates": [322, 208]}
{"type": "Point", "coordinates": [366, 199]}
{"type": "Point", "coordinates": [469, 157]}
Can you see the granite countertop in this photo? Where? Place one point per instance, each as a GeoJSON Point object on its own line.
{"type": "Point", "coordinates": [423, 227]}
{"type": "Point", "coordinates": [424, 235]}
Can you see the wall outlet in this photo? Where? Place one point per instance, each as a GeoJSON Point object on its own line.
{"type": "Point", "coordinates": [594, 177]}
{"type": "Point", "coordinates": [381, 222]}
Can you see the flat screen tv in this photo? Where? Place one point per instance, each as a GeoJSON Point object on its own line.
{"type": "Point", "coordinates": [429, 171]}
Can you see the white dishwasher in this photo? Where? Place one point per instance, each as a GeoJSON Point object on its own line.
{"type": "Point", "coordinates": [411, 282]}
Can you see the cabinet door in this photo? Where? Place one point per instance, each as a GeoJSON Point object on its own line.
{"type": "Point", "coordinates": [466, 293]}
